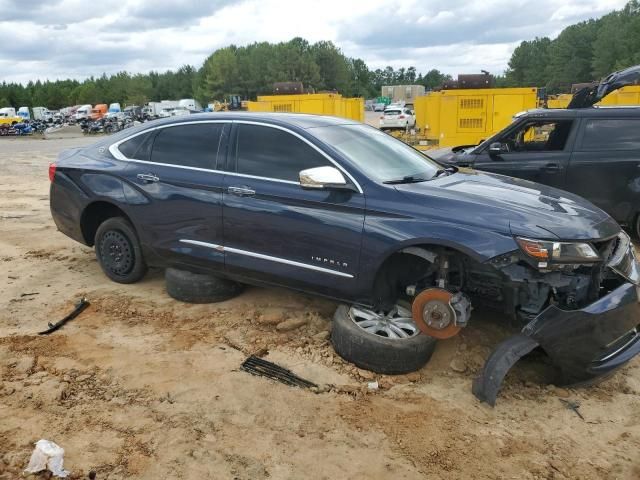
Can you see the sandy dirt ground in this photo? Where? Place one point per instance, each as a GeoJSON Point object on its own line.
{"type": "Point", "coordinates": [142, 386]}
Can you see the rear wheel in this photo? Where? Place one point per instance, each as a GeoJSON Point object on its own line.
{"type": "Point", "coordinates": [118, 251]}
{"type": "Point", "coordinates": [383, 342]}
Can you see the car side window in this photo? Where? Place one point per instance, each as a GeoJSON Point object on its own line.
{"type": "Point", "coordinates": [538, 136]}
{"type": "Point", "coordinates": [193, 145]}
{"type": "Point", "coordinates": [138, 147]}
{"type": "Point", "coordinates": [273, 153]}
{"type": "Point", "coordinates": [611, 134]}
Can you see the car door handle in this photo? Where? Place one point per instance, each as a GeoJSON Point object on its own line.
{"type": "Point", "coordinates": [551, 167]}
{"type": "Point", "coordinates": [241, 191]}
{"type": "Point", "coordinates": [148, 177]}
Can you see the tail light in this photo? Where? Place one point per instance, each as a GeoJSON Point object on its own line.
{"type": "Point", "coordinates": [401, 116]}
{"type": "Point", "coordinates": [52, 171]}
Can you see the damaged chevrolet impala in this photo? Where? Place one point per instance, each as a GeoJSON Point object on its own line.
{"type": "Point", "coordinates": [336, 208]}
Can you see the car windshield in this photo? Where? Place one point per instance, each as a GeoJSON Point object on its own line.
{"type": "Point", "coordinates": [380, 156]}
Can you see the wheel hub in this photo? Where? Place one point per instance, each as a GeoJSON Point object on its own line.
{"type": "Point", "coordinates": [397, 323]}
{"type": "Point", "coordinates": [433, 313]}
{"type": "Point", "coordinates": [117, 253]}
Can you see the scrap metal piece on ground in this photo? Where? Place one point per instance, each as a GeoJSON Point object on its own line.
{"type": "Point", "coordinates": [80, 306]}
{"type": "Point", "coordinates": [257, 366]}
{"type": "Point", "coordinates": [572, 406]}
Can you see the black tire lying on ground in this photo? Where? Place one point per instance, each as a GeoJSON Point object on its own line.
{"type": "Point", "coordinates": [118, 251]}
{"type": "Point", "coordinates": [199, 288]}
{"type": "Point", "coordinates": [377, 353]}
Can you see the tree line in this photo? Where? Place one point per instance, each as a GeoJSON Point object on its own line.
{"type": "Point", "coordinates": [582, 52]}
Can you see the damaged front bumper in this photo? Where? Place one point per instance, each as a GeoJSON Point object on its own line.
{"type": "Point", "coordinates": [584, 344]}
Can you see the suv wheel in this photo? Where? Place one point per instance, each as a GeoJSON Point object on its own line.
{"type": "Point", "coordinates": [118, 251]}
{"type": "Point", "coordinates": [388, 343]}
{"type": "Point", "coordinates": [198, 288]}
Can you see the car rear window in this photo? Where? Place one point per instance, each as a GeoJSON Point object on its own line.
{"type": "Point", "coordinates": [611, 134]}
{"type": "Point", "coordinates": [193, 145]}
{"type": "Point", "coordinates": [138, 147]}
{"type": "Point", "coordinates": [392, 112]}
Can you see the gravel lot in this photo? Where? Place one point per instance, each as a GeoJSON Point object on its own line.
{"type": "Point", "coordinates": [141, 386]}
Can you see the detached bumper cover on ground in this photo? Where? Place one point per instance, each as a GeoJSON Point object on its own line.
{"type": "Point", "coordinates": [584, 344]}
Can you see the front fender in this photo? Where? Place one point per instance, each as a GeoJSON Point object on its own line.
{"type": "Point", "coordinates": [385, 236]}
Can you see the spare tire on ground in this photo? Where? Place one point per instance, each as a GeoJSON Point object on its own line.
{"type": "Point", "coordinates": [199, 288]}
{"type": "Point", "coordinates": [388, 343]}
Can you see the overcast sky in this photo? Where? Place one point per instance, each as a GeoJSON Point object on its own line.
{"type": "Point", "coordinates": [79, 38]}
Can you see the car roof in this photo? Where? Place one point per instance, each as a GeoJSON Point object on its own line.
{"type": "Point", "coordinates": [597, 111]}
{"type": "Point", "coordinates": [300, 120]}
{"type": "Point", "coordinates": [296, 120]}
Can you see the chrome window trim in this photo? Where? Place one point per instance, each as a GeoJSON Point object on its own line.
{"type": "Point", "coordinates": [113, 149]}
{"type": "Point", "coordinates": [262, 256]}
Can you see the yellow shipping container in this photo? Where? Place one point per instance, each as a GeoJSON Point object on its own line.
{"type": "Point", "coordinates": [467, 116]}
{"type": "Point", "coordinates": [625, 96]}
{"type": "Point", "coordinates": [314, 103]}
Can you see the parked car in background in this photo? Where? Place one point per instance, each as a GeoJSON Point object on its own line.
{"type": "Point", "coordinates": [114, 108]}
{"type": "Point", "coordinates": [379, 107]}
{"type": "Point", "coordinates": [397, 117]}
{"type": "Point", "coordinates": [341, 209]}
{"type": "Point", "coordinates": [590, 151]}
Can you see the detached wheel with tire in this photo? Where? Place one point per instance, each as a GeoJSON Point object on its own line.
{"type": "Point", "coordinates": [199, 288]}
{"type": "Point", "coordinates": [118, 251]}
{"type": "Point", "coordinates": [388, 343]}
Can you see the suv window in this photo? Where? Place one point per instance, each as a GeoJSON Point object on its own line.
{"type": "Point", "coordinates": [138, 147]}
{"type": "Point", "coordinates": [273, 153]}
{"type": "Point", "coordinates": [611, 134]}
{"type": "Point", "coordinates": [193, 145]}
{"type": "Point", "coordinates": [538, 136]}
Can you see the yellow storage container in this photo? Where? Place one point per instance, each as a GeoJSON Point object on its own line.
{"type": "Point", "coordinates": [314, 103]}
{"type": "Point", "coordinates": [625, 96]}
{"type": "Point", "coordinates": [559, 101]}
{"type": "Point", "coordinates": [468, 116]}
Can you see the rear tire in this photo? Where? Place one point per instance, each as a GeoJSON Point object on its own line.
{"type": "Point", "coordinates": [118, 251]}
{"type": "Point", "coordinates": [636, 227]}
{"type": "Point", "coordinates": [377, 353]}
{"type": "Point", "coordinates": [199, 288]}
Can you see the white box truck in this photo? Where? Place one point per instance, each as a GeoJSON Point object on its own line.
{"type": "Point", "coordinates": [42, 113]}
{"type": "Point", "coordinates": [190, 104]}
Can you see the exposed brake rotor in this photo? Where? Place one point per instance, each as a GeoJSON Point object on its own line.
{"type": "Point", "coordinates": [439, 313]}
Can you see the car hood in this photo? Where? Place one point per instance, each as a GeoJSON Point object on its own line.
{"type": "Point", "coordinates": [510, 205]}
{"type": "Point", "coordinates": [589, 96]}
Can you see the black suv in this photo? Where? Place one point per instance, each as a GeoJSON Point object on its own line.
{"type": "Point", "coordinates": [341, 209]}
{"type": "Point", "coordinates": [590, 151]}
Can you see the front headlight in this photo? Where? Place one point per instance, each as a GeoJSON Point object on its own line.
{"type": "Point", "coordinates": [546, 252]}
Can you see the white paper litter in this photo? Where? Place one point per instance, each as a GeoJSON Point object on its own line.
{"type": "Point", "coordinates": [373, 385]}
{"type": "Point", "coordinates": [47, 455]}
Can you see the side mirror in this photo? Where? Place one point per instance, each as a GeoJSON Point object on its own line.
{"type": "Point", "coordinates": [495, 149]}
{"type": "Point", "coordinates": [323, 178]}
